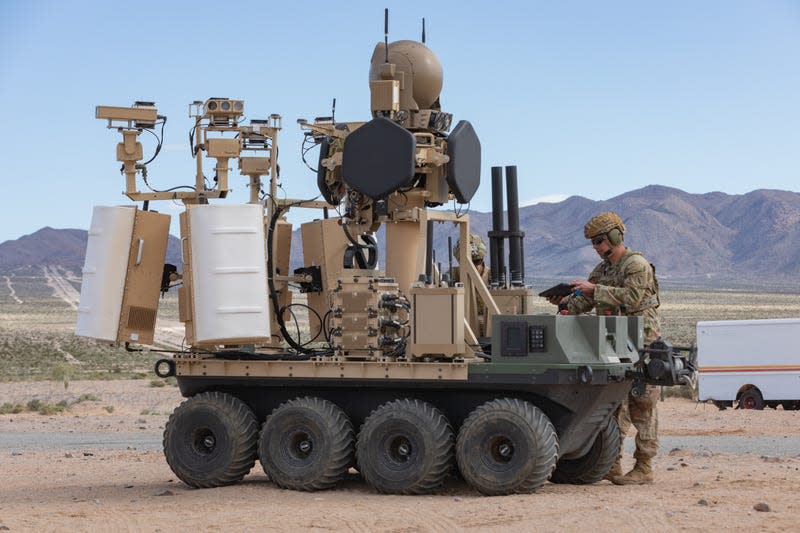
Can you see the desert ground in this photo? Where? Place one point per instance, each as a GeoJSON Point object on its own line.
{"type": "Point", "coordinates": [119, 487]}
{"type": "Point", "coordinates": [81, 423]}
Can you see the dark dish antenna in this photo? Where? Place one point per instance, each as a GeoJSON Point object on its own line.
{"type": "Point", "coordinates": [423, 30]}
{"type": "Point", "coordinates": [386, 32]}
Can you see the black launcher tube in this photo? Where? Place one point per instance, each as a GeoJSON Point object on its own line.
{"type": "Point", "coordinates": [497, 253]}
{"type": "Point", "coordinates": [515, 237]}
{"type": "Point", "coordinates": [429, 253]}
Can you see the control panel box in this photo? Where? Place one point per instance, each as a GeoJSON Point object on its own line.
{"type": "Point", "coordinates": [558, 338]}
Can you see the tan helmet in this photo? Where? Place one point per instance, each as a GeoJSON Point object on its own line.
{"type": "Point", "coordinates": [477, 248]}
{"type": "Point", "coordinates": [602, 224]}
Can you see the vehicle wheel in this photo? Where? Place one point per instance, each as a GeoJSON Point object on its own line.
{"type": "Point", "coordinates": [751, 399]}
{"type": "Point", "coordinates": [405, 447]}
{"type": "Point", "coordinates": [593, 466]}
{"type": "Point", "coordinates": [790, 405]}
{"type": "Point", "coordinates": [306, 444]}
{"type": "Point", "coordinates": [506, 446]}
{"type": "Point", "coordinates": [210, 440]}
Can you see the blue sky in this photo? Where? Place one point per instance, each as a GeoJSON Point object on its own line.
{"type": "Point", "coordinates": [586, 98]}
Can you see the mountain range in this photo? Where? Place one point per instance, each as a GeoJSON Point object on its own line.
{"type": "Point", "coordinates": [712, 239]}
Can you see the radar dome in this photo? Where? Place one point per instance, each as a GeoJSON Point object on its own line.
{"type": "Point", "coordinates": [417, 62]}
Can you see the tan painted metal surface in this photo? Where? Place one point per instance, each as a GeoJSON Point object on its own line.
{"type": "Point", "coordinates": [451, 371]}
{"type": "Point", "coordinates": [143, 279]}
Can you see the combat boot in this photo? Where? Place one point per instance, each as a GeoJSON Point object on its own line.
{"type": "Point", "coordinates": [616, 470]}
{"type": "Point", "coordinates": [642, 474]}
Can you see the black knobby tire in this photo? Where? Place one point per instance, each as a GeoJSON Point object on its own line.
{"type": "Point", "coordinates": [210, 440]}
{"type": "Point", "coordinates": [506, 446]}
{"type": "Point", "coordinates": [595, 464]}
{"type": "Point", "coordinates": [751, 399]}
{"type": "Point", "coordinates": [306, 444]}
{"type": "Point", "coordinates": [405, 447]}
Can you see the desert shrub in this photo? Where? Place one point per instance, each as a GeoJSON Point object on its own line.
{"type": "Point", "coordinates": [677, 391]}
{"type": "Point", "coordinates": [34, 405]}
{"type": "Point", "coordinates": [11, 409]}
{"type": "Point", "coordinates": [87, 398]}
{"type": "Point", "coordinates": [51, 409]}
{"type": "Point", "coordinates": [62, 372]}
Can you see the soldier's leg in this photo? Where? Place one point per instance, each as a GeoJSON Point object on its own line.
{"type": "Point", "coordinates": [644, 416]}
{"type": "Point", "coordinates": [622, 416]}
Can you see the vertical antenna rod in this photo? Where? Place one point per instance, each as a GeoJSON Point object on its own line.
{"type": "Point", "coordinates": [386, 32]}
{"type": "Point", "coordinates": [423, 30]}
{"type": "Point", "coordinates": [429, 252]}
{"type": "Point", "coordinates": [450, 257]}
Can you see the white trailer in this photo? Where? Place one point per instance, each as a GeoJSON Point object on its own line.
{"type": "Point", "coordinates": [749, 363]}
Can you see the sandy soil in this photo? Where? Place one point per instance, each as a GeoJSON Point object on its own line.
{"type": "Point", "coordinates": [134, 490]}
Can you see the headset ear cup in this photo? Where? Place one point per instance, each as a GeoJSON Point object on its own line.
{"type": "Point", "coordinates": [614, 236]}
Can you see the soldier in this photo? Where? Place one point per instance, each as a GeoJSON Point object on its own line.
{"type": "Point", "coordinates": [477, 252]}
{"type": "Point", "coordinates": [624, 283]}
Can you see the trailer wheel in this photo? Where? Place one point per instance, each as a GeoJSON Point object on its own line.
{"type": "Point", "coordinates": [790, 405]}
{"type": "Point", "coordinates": [306, 444]}
{"type": "Point", "coordinates": [210, 440]}
{"type": "Point", "coordinates": [751, 399]}
{"type": "Point", "coordinates": [405, 447]}
{"type": "Point", "coordinates": [593, 466]}
{"type": "Point", "coordinates": [506, 446]}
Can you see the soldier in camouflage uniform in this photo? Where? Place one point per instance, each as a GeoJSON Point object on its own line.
{"type": "Point", "coordinates": [477, 252]}
{"type": "Point", "coordinates": [623, 283]}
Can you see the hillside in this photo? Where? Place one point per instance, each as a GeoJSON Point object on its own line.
{"type": "Point", "coordinates": [709, 239]}
{"type": "Point", "coordinates": [704, 239]}
{"type": "Point", "coordinates": [65, 248]}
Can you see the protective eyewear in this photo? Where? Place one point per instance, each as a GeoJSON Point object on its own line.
{"type": "Point", "coordinates": [597, 240]}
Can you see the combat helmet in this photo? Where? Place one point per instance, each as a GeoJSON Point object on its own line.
{"type": "Point", "coordinates": [602, 224]}
{"type": "Point", "coordinates": [477, 248]}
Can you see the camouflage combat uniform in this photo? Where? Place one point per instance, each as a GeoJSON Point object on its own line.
{"type": "Point", "coordinates": [477, 250]}
{"type": "Point", "coordinates": [629, 288]}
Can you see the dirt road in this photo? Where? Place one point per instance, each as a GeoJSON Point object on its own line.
{"type": "Point", "coordinates": [86, 489]}
{"type": "Point", "coordinates": [60, 284]}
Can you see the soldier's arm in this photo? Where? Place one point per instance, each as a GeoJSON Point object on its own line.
{"type": "Point", "coordinates": [577, 305]}
{"type": "Point", "coordinates": [638, 274]}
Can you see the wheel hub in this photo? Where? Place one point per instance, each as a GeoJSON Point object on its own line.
{"type": "Point", "coordinates": [502, 449]}
{"type": "Point", "coordinates": [204, 442]}
{"type": "Point", "coordinates": [400, 449]}
{"type": "Point", "coordinates": [301, 445]}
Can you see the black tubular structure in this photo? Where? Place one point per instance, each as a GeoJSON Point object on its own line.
{"type": "Point", "coordinates": [450, 258]}
{"type": "Point", "coordinates": [514, 234]}
{"type": "Point", "coordinates": [429, 253]}
{"type": "Point", "coordinates": [386, 31]}
{"type": "Point", "coordinates": [497, 256]}
{"type": "Point", "coordinates": [498, 235]}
